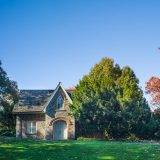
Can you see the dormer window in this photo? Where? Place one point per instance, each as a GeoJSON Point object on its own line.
{"type": "Point", "coordinates": [59, 102]}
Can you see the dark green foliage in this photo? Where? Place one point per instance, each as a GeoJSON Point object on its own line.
{"type": "Point", "coordinates": [108, 103]}
{"type": "Point", "coordinates": [156, 117]}
{"type": "Point", "coordinates": [8, 97]}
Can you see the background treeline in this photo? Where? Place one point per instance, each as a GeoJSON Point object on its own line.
{"type": "Point", "coordinates": [108, 103]}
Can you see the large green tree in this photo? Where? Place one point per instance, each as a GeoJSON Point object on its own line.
{"type": "Point", "coordinates": [8, 97]}
{"type": "Point", "coordinates": [108, 102]}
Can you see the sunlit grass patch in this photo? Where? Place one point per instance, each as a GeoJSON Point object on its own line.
{"type": "Point", "coordinates": [12, 149]}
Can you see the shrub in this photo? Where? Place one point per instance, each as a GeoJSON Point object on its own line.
{"type": "Point", "coordinates": [85, 139]}
{"type": "Point", "coordinates": [8, 132]}
{"type": "Point", "coordinates": [132, 137]}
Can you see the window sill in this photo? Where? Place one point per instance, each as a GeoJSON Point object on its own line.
{"type": "Point", "coordinates": [31, 133]}
{"type": "Point", "coordinates": [59, 110]}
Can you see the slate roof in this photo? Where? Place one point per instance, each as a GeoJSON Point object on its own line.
{"type": "Point", "coordinates": [34, 100]}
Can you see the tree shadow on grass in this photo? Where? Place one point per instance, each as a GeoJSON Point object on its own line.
{"type": "Point", "coordinates": [62, 150]}
{"type": "Point", "coordinates": [69, 150]}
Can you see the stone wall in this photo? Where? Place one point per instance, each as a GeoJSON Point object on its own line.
{"type": "Point", "coordinates": [18, 127]}
{"type": "Point", "coordinates": [70, 121]}
{"type": "Point", "coordinates": [21, 121]}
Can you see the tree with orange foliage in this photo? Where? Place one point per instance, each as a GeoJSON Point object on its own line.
{"type": "Point", "coordinates": [153, 88]}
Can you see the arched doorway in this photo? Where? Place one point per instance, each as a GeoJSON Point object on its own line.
{"type": "Point", "coordinates": [60, 130]}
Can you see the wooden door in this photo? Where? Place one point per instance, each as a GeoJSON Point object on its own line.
{"type": "Point", "coordinates": [60, 130]}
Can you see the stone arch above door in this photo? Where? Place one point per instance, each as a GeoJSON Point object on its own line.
{"type": "Point", "coordinates": [59, 119]}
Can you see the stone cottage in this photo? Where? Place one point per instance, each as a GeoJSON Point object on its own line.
{"type": "Point", "coordinates": [43, 114]}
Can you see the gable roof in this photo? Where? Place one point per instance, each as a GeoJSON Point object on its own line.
{"type": "Point", "coordinates": [54, 93]}
{"type": "Point", "coordinates": [31, 101]}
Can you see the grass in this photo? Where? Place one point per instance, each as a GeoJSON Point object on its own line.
{"type": "Point", "coordinates": [13, 149]}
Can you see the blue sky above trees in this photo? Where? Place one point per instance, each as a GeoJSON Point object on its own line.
{"type": "Point", "coordinates": [43, 42]}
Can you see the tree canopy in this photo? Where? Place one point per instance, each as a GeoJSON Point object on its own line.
{"type": "Point", "coordinates": [108, 102]}
{"type": "Point", "coordinates": [8, 97]}
{"type": "Point", "coordinates": [153, 88]}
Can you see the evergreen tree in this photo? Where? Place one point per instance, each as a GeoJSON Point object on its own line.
{"type": "Point", "coordinates": [8, 97]}
{"type": "Point", "coordinates": [107, 100]}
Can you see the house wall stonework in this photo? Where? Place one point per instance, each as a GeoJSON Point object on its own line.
{"type": "Point", "coordinates": [18, 127]}
{"type": "Point", "coordinates": [21, 122]}
{"type": "Point", "coordinates": [49, 129]}
{"type": "Point", "coordinates": [50, 125]}
{"type": "Point", "coordinates": [54, 114]}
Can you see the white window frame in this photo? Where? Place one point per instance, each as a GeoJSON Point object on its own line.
{"type": "Point", "coordinates": [60, 98]}
{"type": "Point", "coordinates": [31, 129]}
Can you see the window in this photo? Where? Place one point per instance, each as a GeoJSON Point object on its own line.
{"type": "Point", "coordinates": [31, 127]}
{"type": "Point", "coordinates": [59, 102]}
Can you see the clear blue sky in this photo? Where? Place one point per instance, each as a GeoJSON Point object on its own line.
{"type": "Point", "coordinates": [43, 42]}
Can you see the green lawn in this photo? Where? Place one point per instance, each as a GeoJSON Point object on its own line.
{"type": "Point", "coordinates": [12, 149]}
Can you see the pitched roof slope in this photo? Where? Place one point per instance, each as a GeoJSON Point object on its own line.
{"type": "Point", "coordinates": [32, 100]}
{"type": "Point", "coordinates": [36, 100]}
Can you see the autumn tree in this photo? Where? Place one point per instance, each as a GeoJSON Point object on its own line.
{"type": "Point", "coordinates": [153, 88]}
{"type": "Point", "coordinates": [8, 97]}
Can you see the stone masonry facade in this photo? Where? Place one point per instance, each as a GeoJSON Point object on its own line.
{"type": "Point", "coordinates": [46, 119]}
